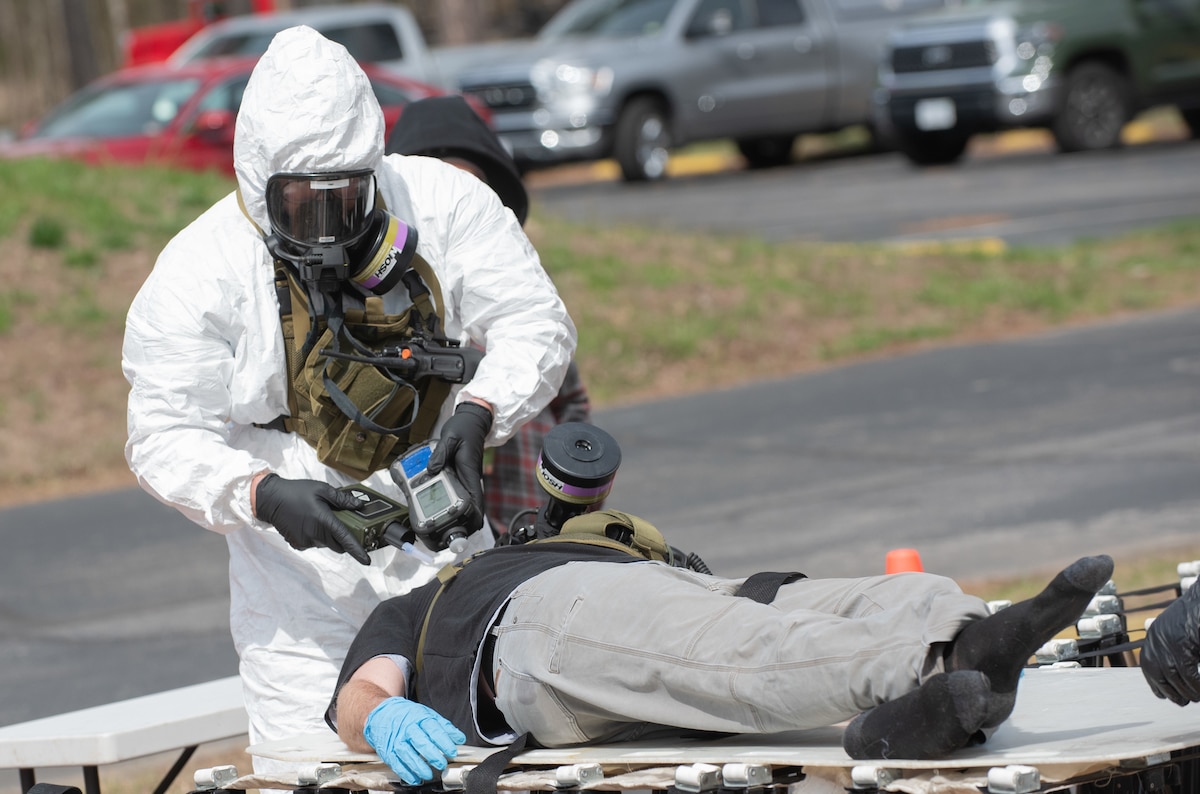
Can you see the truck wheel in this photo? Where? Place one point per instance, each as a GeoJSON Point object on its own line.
{"type": "Point", "coordinates": [769, 152]}
{"type": "Point", "coordinates": [643, 140]}
{"type": "Point", "coordinates": [1191, 117]}
{"type": "Point", "coordinates": [1095, 106]}
{"type": "Point", "coordinates": [932, 148]}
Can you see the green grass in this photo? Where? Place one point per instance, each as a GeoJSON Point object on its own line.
{"type": "Point", "coordinates": [6, 313]}
{"type": "Point", "coordinates": [47, 233]}
{"type": "Point", "coordinates": [666, 297]}
{"type": "Point", "coordinates": [866, 340]}
{"type": "Point", "coordinates": [110, 208]}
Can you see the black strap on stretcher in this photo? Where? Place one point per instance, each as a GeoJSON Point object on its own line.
{"type": "Point", "coordinates": [761, 587]}
{"type": "Point", "coordinates": [1132, 645]}
{"type": "Point", "coordinates": [1110, 650]}
{"type": "Point", "coordinates": [483, 778]}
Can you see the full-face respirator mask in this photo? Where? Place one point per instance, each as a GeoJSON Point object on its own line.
{"type": "Point", "coordinates": [328, 226]}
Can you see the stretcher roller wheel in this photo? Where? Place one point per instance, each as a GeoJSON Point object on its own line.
{"type": "Point", "coordinates": [1014, 779]}
{"type": "Point", "coordinates": [698, 777]}
{"type": "Point", "coordinates": [318, 774]}
{"type": "Point", "coordinates": [454, 778]}
{"type": "Point", "coordinates": [215, 777]}
{"type": "Point", "coordinates": [574, 776]}
{"type": "Point", "coordinates": [745, 775]}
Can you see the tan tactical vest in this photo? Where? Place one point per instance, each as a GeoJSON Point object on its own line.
{"type": "Point", "coordinates": [340, 442]}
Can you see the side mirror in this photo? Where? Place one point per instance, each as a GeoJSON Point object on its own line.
{"type": "Point", "coordinates": [215, 127]}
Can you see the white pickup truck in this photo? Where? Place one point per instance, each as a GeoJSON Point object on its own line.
{"type": "Point", "coordinates": [380, 33]}
{"type": "Point", "coordinates": [631, 79]}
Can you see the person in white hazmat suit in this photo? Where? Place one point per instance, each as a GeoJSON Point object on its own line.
{"type": "Point", "coordinates": [206, 362]}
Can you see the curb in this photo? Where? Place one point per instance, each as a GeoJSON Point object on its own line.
{"type": "Point", "coordinates": [1136, 132]}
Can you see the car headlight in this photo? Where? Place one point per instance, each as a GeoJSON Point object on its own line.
{"type": "Point", "coordinates": [1035, 54]}
{"type": "Point", "coordinates": [1037, 40]}
{"type": "Point", "coordinates": [554, 79]}
{"type": "Point", "coordinates": [1024, 49]}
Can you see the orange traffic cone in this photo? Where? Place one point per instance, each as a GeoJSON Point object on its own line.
{"type": "Point", "coordinates": [900, 560]}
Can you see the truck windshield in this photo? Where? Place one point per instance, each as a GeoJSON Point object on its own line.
{"type": "Point", "coordinates": [609, 18]}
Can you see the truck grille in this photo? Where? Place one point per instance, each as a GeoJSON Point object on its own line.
{"type": "Point", "coordinates": [503, 96]}
{"type": "Point", "coordinates": [936, 57]}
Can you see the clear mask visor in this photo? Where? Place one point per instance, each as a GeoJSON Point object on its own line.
{"type": "Point", "coordinates": [320, 209]}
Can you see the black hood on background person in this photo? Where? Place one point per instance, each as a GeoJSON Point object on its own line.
{"type": "Point", "coordinates": [446, 126]}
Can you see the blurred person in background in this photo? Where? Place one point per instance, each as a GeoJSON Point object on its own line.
{"type": "Point", "coordinates": [447, 128]}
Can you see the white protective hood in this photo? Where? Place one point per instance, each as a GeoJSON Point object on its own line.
{"type": "Point", "coordinates": [308, 108]}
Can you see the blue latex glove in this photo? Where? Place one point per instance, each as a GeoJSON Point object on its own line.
{"type": "Point", "coordinates": [411, 738]}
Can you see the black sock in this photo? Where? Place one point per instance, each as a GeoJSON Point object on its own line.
{"type": "Point", "coordinates": [932, 721]}
{"type": "Point", "coordinates": [1000, 645]}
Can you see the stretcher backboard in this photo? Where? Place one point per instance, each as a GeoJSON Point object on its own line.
{"type": "Point", "coordinates": [1067, 722]}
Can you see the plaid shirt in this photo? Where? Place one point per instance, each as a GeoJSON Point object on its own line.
{"type": "Point", "coordinates": [510, 483]}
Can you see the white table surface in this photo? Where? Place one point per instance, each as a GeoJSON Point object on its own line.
{"type": "Point", "coordinates": [128, 729]}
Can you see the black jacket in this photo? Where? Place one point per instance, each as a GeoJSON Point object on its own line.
{"type": "Point", "coordinates": [446, 126]}
{"type": "Point", "coordinates": [458, 622]}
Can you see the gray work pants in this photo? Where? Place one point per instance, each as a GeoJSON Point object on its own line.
{"type": "Point", "coordinates": [595, 651]}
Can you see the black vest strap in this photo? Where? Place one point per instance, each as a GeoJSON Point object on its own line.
{"type": "Point", "coordinates": [763, 586]}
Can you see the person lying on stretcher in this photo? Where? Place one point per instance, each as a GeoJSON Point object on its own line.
{"type": "Point", "coordinates": [581, 644]}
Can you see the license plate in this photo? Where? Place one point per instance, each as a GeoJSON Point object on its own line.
{"type": "Point", "coordinates": [935, 114]}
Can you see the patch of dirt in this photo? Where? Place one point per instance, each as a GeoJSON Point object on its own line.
{"type": "Point", "coordinates": [63, 402]}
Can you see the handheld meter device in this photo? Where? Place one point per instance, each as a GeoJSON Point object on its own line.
{"type": "Point", "coordinates": [376, 513]}
{"type": "Point", "coordinates": [436, 502]}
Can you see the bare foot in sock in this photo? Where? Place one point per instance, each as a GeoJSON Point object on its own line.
{"type": "Point", "coordinates": [932, 721]}
{"type": "Point", "coordinates": [1000, 645]}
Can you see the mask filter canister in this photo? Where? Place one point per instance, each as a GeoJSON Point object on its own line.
{"type": "Point", "coordinates": [578, 464]}
{"type": "Point", "coordinates": [384, 253]}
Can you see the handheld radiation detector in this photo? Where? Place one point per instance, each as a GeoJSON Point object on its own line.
{"type": "Point", "coordinates": [375, 513]}
{"type": "Point", "coordinates": [437, 503]}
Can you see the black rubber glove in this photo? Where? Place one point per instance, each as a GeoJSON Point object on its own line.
{"type": "Point", "coordinates": [461, 449]}
{"type": "Point", "coordinates": [302, 511]}
{"type": "Point", "coordinates": [1171, 655]}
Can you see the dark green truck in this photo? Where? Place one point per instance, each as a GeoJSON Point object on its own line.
{"type": "Point", "coordinates": [1081, 68]}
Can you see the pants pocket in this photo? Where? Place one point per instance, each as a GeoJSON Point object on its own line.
{"type": "Point", "coordinates": [530, 705]}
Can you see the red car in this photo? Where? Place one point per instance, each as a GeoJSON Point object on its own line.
{"type": "Point", "coordinates": [180, 116]}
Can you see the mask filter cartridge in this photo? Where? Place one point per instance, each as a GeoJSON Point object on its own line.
{"type": "Point", "coordinates": [382, 255]}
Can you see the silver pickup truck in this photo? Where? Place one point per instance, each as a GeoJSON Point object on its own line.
{"type": "Point", "coordinates": [631, 79]}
